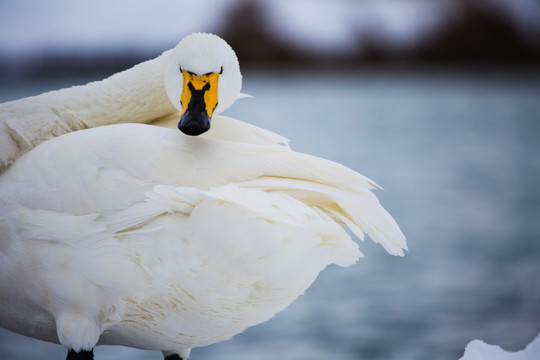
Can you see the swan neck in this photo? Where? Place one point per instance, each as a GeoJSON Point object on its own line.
{"type": "Point", "coordinates": [134, 95]}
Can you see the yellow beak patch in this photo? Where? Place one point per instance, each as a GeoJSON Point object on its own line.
{"type": "Point", "coordinates": [195, 84]}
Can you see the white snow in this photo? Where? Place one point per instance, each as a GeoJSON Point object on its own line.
{"type": "Point", "coordinates": [479, 350]}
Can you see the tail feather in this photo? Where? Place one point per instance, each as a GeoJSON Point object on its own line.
{"type": "Point", "coordinates": [359, 210]}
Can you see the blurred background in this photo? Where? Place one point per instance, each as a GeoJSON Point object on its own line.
{"type": "Point", "coordinates": [438, 101]}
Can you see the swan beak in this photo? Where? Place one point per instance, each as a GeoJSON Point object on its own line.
{"type": "Point", "coordinates": [199, 99]}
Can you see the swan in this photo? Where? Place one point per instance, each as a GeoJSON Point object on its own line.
{"type": "Point", "coordinates": [125, 233]}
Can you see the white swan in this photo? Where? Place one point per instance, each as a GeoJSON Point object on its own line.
{"type": "Point", "coordinates": [141, 236]}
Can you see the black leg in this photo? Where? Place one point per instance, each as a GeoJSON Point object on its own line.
{"type": "Point", "coordinates": [81, 355]}
{"type": "Point", "coordinates": [173, 357]}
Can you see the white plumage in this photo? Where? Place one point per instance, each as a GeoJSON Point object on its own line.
{"type": "Point", "coordinates": [139, 235]}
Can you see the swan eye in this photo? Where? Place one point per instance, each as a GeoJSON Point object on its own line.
{"type": "Point", "coordinates": [221, 71]}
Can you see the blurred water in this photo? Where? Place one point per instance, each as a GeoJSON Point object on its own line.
{"type": "Point", "coordinates": [458, 155]}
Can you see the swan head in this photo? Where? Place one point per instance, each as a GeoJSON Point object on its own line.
{"type": "Point", "coordinates": [203, 79]}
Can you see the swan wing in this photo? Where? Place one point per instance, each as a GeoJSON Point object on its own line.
{"type": "Point", "coordinates": [230, 257]}
{"type": "Point", "coordinates": [116, 172]}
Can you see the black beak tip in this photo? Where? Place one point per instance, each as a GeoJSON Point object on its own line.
{"type": "Point", "coordinates": [194, 126]}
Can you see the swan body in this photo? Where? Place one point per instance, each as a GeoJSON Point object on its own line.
{"type": "Point", "coordinates": [139, 235]}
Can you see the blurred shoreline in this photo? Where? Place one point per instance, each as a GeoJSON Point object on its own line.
{"type": "Point", "coordinates": [480, 38]}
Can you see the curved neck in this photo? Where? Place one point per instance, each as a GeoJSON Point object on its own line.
{"type": "Point", "coordinates": [134, 95]}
